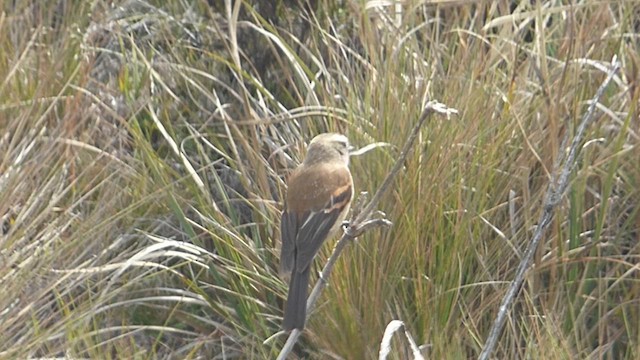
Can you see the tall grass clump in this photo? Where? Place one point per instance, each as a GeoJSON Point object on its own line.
{"type": "Point", "coordinates": [144, 149]}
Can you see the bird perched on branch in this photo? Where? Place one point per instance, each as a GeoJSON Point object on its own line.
{"type": "Point", "coordinates": [318, 198]}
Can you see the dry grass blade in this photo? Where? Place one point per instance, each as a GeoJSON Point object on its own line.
{"type": "Point", "coordinates": [385, 344]}
{"type": "Point", "coordinates": [556, 189]}
{"type": "Point", "coordinates": [361, 220]}
{"type": "Point", "coordinates": [145, 146]}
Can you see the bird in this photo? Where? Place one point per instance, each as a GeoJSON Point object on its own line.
{"type": "Point", "coordinates": [318, 198]}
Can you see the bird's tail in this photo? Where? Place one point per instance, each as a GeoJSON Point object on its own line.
{"type": "Point", "coordinates": [295, 312]}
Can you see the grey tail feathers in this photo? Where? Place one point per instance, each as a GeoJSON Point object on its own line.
{"type": "Point", "coordinates": [295, 312]}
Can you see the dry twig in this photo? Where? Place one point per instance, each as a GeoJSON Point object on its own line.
{"type": "Point", "coordinates": [362, 218]}
{"type": "Point", "coordinates": [557, 187]}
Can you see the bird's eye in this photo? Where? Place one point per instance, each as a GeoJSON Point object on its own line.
{"type": "Point", "coordinates": [341, 145]}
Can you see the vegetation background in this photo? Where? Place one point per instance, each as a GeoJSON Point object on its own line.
{"type": "Point", "coordinates": [144, 146]}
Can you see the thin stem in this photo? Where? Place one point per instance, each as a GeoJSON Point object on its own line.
{"type": "Point", "coordinates": [362, 220]}
{"type": "Point", "coordinates": [557, 187]}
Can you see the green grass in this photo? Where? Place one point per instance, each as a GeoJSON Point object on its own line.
{"type": "Point", "coordinates": [144, 150]}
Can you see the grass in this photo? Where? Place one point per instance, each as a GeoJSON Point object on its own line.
{"type": "Point", "coordinates": [144, 149]}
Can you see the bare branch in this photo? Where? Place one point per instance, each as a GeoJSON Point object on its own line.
{"type": "Point", "coordinates": [361, 218]}
{"type": "Point", "coordinates": [557, 187]}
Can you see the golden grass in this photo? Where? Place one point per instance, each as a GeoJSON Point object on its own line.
{"type": "Point", "coordinates": [143, 151]}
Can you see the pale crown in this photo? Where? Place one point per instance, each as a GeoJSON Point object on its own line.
{"type": "Point", "coordinates": [328, 147]}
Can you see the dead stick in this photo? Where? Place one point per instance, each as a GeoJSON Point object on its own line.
{"type": "Point", "coordinates": [362, 220]}
{"type": "Point", "coordinates": [557, 186]}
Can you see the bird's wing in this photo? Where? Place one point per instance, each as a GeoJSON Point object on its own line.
{"type": "Point", "coordinates": [316, 226]}
{"type": "Point", "coordinates": [288, 233]}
